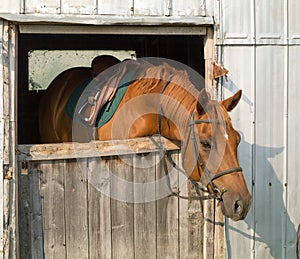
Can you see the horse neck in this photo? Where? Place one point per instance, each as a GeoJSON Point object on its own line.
{"type": "Point", "coordinates": [178, 105]}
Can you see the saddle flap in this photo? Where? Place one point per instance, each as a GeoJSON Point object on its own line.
{"type": "Point", "coordinates": [98, 96]}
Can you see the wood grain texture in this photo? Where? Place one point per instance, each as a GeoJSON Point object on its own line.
{"type": "Point", "coordinates": [88, 212]}
{"type": "Point", "coordinates": [122, 210]}
{"type": "Point", "coordinates": [76, 208]}
{"type": "Point", "coordinates": [144, 206]}
{"type": "Point", "coordinates": [52, 190]}
{"type": "Point", "coordinates": [167, 220]}
{"type": "Point", "coordinates": [99, 212]}
{"type": "Point", "coordinates": [92, 149]}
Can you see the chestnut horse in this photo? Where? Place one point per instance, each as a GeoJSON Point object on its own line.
{"type": "Point", "coordinates": [163, 100]}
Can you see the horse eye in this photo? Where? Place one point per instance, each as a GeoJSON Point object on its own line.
{"type": "Point", "coordinates": [206, 144]}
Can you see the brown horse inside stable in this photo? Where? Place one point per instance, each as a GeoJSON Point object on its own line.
{"type": "Point", "coordinates": [202, 126]}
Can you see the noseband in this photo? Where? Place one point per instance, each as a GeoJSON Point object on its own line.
{"type": "Point", "coordinates": [209, 178]}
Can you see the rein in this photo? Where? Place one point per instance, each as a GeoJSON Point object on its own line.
{"type": "Point", "coordinates": [217, 194]}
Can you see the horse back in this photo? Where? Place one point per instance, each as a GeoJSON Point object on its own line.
{"type": "Point", "coordinates": [54, 124]}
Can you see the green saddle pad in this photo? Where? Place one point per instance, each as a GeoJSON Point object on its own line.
{"type": "Point", "coordinates": [77, 98]}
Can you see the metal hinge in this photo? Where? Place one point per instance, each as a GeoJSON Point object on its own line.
{"type": "Point", "coordinates": [8, 174]}
{"type": "Point", "coordinates": [219, 71]}
{"type": "Point", "coordinates": [24, 168]}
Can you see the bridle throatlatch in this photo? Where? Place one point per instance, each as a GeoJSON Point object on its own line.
{"type": "Point", "coordinates": [209, 178]}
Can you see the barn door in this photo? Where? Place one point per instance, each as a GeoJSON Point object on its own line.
{"type": "Point", "coordinates": [75, 208]}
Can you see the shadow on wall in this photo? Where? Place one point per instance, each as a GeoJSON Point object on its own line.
{"type": "Point", "coordinates": [227, 83]}
{"type": "Point", "coordinates": [298, 242]}
{"type": "Point", "coordinates": [268, 228]}
{"type": "Point", "coordinates": [272, 231]}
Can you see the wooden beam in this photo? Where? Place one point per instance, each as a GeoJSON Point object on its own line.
{"type": "Point", "coordinates": [93, 149]}
{"type": "Point", "coordinates": [213, 239]}
{"type": "Point", "coordinates": [2, 146]}
{"type": "Point", "coordinates": [8, 67]}
{"type": "Point", "coordinates": [77, 19]}
{"type": "Point", "coordinates": [209, 57]}
{"type": "Point", "coordinates": [157, 29]}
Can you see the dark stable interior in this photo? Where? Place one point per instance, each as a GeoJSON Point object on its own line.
{"type": "Point", "coordinates": [185, 49]}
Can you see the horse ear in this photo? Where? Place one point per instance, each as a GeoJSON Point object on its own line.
{"type": "Point", "coordinates": [202, 101]}
{"type": "Point", "coordinates": [232, 101]}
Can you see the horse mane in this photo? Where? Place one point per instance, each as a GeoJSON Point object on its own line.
{"type": "Point", "coordinates": [154, 76]}
{"type": "Point", "coordinates": [215, 113]}
{"type": "Point", "coordinates": [179, 97]}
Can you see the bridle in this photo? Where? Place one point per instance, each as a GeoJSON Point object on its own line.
{"type": "Point", "coordinates": [209, 177]}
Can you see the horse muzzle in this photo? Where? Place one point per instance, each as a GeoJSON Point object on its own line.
{"type": "Point", "coordinates": [235, 207]}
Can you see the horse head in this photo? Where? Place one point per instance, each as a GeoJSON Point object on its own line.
{"type": "Point", "coordinates": [210, 154]}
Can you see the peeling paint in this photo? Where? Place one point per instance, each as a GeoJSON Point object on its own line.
{"type": "Point", "coordinates": [45, 65]}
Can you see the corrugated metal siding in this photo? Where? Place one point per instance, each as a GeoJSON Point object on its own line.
{"type": "Point", "coordinates": [293, 148]}
{"type": "Point", "coordinates": [270, 21]}
{"type": "Point", "coordinates": [259, 44]}
{"type": "Point", "coordinates": [262, 22]}
{"type": "Point", "coordinates": [78, 7]}
{"type": "Point", "coordinates": [270, 148]}
{"type": "Point", "coordinates": [118, 7]}
{"type": "Point", "coordinates": [155, 7]}
{"type": "Point", "coordinates": [232, 31]}
{"type": "Point", "coordinates": [294, 14]}
{"type": "Point", "coordinates": [9, 6]}
{"type": "Point", "coordinates": [239, 234]}
{"type": "Point", "coordinates": [188, 7]}
{"type": "Point", "coordinates": [115, 7]}
{"type": "Point", "coordinates": [44, 6]}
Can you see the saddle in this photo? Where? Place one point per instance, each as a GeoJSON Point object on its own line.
{"type": "Point", "coordinates": [104, 89]}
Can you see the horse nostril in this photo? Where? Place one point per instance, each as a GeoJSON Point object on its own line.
{"type": "Point", "coordinates": [238, 207]}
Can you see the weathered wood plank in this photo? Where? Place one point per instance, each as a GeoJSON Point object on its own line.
{"type": "Point", "coordinates": [121, 208]}
{"type": "Point", "coordinates": [92, 149]}
{"type": "Point", "coordinates": [208, 229]}
{"type": "Point", "coordinates": [99, 227]}
{"type": "Point", "coordinates": [5, 66]}
{"type": "Point", "coordinates": [99, 217]}
{"type": "Point", "coordinates": [209, 57]}
{"type": "Point", "coordinates": [11, 141]}
{"type": "Point", "coordinates": [36, 221]}
{"type": "Point", "coordinates": [167, 228]}
{"type": "Point", "coordinates": [163, 27]}
{"type": "Point", "coordinates": [183, 218]}
{"type": "Point", "coordinates": [144, 206]}
{"type": "Point", "coordinates": [190, 221]}
{"type": "Point", "coordinates": [219, 233]}
{"type": "Point", "coordinates": [1, 145]}
{"type": "Point", "coordinates": [24, 216]}
{"type": "Point", "coordinates": [196, 222]}
{"type": "Point", "coordinates": [76, 208]}
{"type": "Point", "coordinates": [212, 247]}
{"type": "Point", "coordinates": [52, 190]}
{"type": "Point", "coordinates": [167, 217]}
